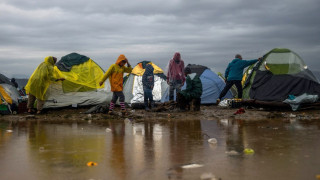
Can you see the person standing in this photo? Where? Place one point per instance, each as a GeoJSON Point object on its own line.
{"type": "Point", "coordinates": [115, 75]}
{"type": "Point", "coordinates": [233, 75]}
{"type": "Point", "coordinates": [148, 84]}
{"type": "Point", "coordinates": [175, 75]}
{"type": "Point", "coordinates": [39, 82]}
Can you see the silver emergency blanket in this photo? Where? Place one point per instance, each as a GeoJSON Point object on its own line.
{"type": "Point", "coordinates": [137, 89]}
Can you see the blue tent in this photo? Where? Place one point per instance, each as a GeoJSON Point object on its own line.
{"type": "Point", "coordinates": [212, 85]}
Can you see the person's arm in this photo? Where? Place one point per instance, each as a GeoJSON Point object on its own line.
{"type": "Point", "coordinates": [128, 69]}
{"type": "Point", "coordinates": [226, 73]}
{"type": "Point", "coordinates": [248, 62]}
{"type": "Point", "coordinates": [182, 72]}
{"type": "Point", "coordinates": [107, 74]}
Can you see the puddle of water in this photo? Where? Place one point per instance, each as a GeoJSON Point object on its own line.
{"type": "Point", "coordinates": [161, 150]}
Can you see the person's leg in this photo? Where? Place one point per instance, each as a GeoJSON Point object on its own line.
{"type": "Point", "coordinates": [225, 89]}
{"type": "Point", "coordinates": [145, 94]}
{"type": "Point", "coordinates": [122, 103]}
{"type": "Point", "coordinates": [113, 102]}
{"type": "Point", "coordinates": [177, 87]}
{"type": "Point", "coordinates": [31, 100]}
{"type": "Point", "coordinates": [239, 88]}
{"type": "Point", "coordinates": [151, 99]}
{"type": "Point", "coordinates": [40, 104]}
{"type": "Point", "coordinates": [171, 91]}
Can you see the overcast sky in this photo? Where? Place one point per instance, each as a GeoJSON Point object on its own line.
{"type": "Point", "coordinates": [207, 32]}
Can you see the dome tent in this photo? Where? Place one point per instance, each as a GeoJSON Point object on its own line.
{"type": "Point", "coordinates": [133, 88]}
{"type": "Point", "coordinates": [212, 85]}
{"type": "Point", "coordinates": [279, 74]}
{"type": "Point", "coordinates": [81, 85]}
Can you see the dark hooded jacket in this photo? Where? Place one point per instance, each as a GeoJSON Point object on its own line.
{"type": "Point", "coordinates": [148, 77]}
{"type": "Point", "coordinates": [234, 70]}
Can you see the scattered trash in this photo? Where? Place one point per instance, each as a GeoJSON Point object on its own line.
{"type": "Point", "coordinates": [248, 151]}
{"type": "Point", "coordinates": [92, 164]}
{"type": "Point", "coordinates": [239, 111]}
{"type": "Point", "coordinates": [207, 176]}
{"type": "Point", "coordinates": [232, 153]}
{"type": "Point", "coordinates": [89, 116]}
{"type": "Point", "coordinates": [9, 131]}
{"type": "Point", "coordinates": [292, 115]}
{"type": "Point", "coordinates": [169, 115]}
{"type": "Point", "coordinates": [212, 141]}
{"type": "Point", "coordinates": [89, 121]}
{"type": "Point", "coordinates": [190, 166]}
{"type": "Point", "coordinates": [108, 130]}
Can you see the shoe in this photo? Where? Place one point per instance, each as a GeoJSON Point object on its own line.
{"type": "Point", "coordinates": [218, 101]}
{"type": "Point", "coordinates": [110, 112]}
{"type": "Point", "coordinates": [124, 112]}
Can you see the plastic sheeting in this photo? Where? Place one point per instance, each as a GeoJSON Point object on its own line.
{"type": "Point", "coordinates": [304, 98]}
{"type": "Point", "coordinates": [41, 78]}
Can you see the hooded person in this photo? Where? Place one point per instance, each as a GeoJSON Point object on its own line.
{"type": "Point", "coordinates": [193, 90]}
{"type": "Point", "coordinates": [175, 75]}
{"type": "Point", "coordinates": [115, 75]}
{"type": "Point", "coordinates": [233, 75]}
{"type": "Point", "coordinates": [39, 82]}
{"type": "Point", "coordinates": [148, 84]}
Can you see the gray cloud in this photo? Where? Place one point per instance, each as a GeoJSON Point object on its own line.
{"type": "Point", "coordinates": [207, 32]}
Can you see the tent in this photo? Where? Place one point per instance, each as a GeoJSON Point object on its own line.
{"type": "Point", "coordinates": [81, 85]}
{"type": "Point", "coordinates": [9, 95]}
{"type": "Point", "coordinates": [212, 85]}
{"type": "Point", "coordinates": [279, 74]}
{"type": "Point", "coordinates": [133, 88]}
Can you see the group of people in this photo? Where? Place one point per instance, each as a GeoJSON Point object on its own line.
{"type": "Point", "coordinates": [177, 76]}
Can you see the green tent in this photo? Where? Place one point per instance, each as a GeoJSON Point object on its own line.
{"type": "Point", "coordinates": [279, 74]}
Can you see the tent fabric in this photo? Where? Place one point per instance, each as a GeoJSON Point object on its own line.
{"type": "Point", "coordinates": [68, 61]}
{"type": "Point", "coordinates": [280, 73]}
{"type": "Point", "coordinates": [212, 85]}
{"type": "Point", "coordinates": [82, 77]}
{"type": "Point", "coordinates": [80, 87]}
{"type": "Point", "coordinates": [5, 97]}
{"type": "Point", "coordinates": [269, 87]}
{"type": "Point", "coordinates": [9, 94]}
{"type": "Point", "coordinates": [133, 87]}
{"type": "Point", "coordinates": [4, 79]}
{"type": "Point", "coordinates": [139, 68]}
{"type": "Point", "coordinates": [41, 78]}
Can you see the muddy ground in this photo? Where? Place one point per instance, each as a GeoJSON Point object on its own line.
{"type": "Point", "coordinates": [212, 112]}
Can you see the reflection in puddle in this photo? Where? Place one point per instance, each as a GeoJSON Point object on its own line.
{"type": "Point", "coordinates": [160, 150]}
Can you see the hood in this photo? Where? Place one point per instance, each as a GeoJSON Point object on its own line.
{"type": "Point", "coordinates": [49, 60]}
{"type": "Point", "coordinates": [149, 69]}
{"type": "Point", "coordinates": [177, 57]}
{"type": "Point", "coordinates": [120, 58]}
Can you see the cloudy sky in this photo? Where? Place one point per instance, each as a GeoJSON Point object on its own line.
{"type": "Point", "coordinates": [207, 32]}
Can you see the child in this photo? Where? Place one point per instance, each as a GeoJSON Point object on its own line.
{"type": "Point", "coordinates": [115, 75]}
{"type": "Point", "coordinates": [148, 83]}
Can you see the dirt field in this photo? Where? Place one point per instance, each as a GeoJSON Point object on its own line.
{"type": "Point", "coordinates": [206, 113]}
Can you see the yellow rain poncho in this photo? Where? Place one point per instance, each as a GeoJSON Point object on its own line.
{"type": "Point", "coordinates": [41, 78]}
